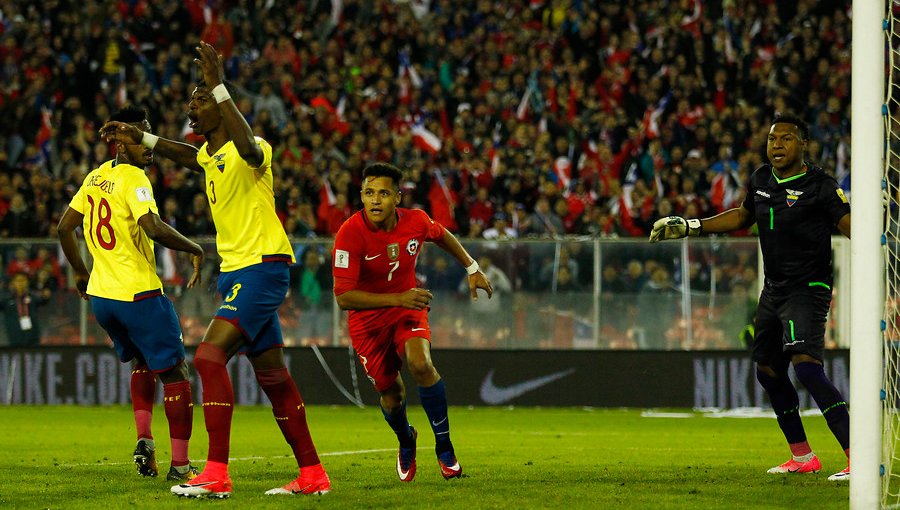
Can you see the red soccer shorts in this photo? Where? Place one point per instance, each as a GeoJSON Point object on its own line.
{"type": "Point", "coordinates": [381, 349]}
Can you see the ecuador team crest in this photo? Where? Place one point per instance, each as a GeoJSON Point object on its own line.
{"type": "Point", "coordinates": [793, 196]}
{"type": "Point", "coordinates": [220, 163]}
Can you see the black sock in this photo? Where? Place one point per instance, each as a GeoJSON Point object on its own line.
{"type": "Point", "coordinates": [785, 403]}
{"type": "Point", "coordinates": [828, 398]}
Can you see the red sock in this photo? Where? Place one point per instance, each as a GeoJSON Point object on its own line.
{"type": "Point", "coordinates": [800, 449]}
{"type": "Point", "coordinates": [290, 413]}
{"type": "Point", "coordinates": [180, 413]}
{"type": "Point", "coordinates": [143, 393]}
{"type": "Point", "coordinates": [218, 399]}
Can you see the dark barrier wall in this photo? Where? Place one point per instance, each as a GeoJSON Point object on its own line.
{"type": "Point", "coordinates": [722, 379]}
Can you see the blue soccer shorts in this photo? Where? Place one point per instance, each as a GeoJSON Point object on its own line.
{"type": "Point", "coordinates": [251, 297]}
{"type": "Point", "coordinates": [147, 329]}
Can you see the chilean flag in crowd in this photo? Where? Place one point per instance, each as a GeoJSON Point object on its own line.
{"type": "Point", "coordinates": [45, 132]}
{"type": "Point", "coordinates": [425, 139]}
{"type": "Point", "coordinates": [652, 115]}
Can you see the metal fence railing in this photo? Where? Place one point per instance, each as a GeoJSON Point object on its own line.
{"type": "Point", "coordinates": [581, 293]}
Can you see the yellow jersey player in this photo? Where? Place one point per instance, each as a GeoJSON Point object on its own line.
{"type": "Point", "coordinates": [256, 255]}
{"type": "Point", "coordinates": [117, 211]}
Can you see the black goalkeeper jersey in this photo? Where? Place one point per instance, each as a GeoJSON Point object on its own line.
{"type": "Point", "coordinates": [795, 218]}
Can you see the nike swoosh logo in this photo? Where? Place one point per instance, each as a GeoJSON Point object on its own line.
{"type": "Point", "coordinates": [493, 394]}
{"type": "Point", "coordinates": [373, 257]}
{"type": "Point", "coordinates": [439, 422]}
{"type": "Point", "coordinates": [417, 329]}
{"type": "Point", "coordinates": [201, 484]}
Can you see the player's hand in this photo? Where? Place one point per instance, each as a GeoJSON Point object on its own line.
{"type": "Point", "coordinates": [674, 227]}
{"type": "Point", "coordinates": [81, 283]}
{"type": "Point", "coordinates": [197, 262]}
{"type": "Point", "coordinates": [210, 63]}
{"type": "Point", "coordinates": [479, 280]}
{"type": "Point", "coordinates": [114, 131]}
{"type": "Point", "coordinates": [416, 299]}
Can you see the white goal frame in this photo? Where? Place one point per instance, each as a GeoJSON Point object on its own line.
{"type": "Point", "coordinates": [866, 264]}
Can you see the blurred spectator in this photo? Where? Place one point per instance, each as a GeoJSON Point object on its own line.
{"type": "Point", "coordinates": [595, 102]}
{"type": "Point", "coordinates": [311, 281]}
{"type": "Point", "coordinates": [19, 305]}
{"type": "Point", "coordinates": [19, 220]}
{"type": "Point", "coordinates": [545, 222]}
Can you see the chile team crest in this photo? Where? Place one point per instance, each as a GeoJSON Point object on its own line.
{"type": "Point", "coordinates": [412, 246]}
{"type": "Point", "coordinates": [793, 196]}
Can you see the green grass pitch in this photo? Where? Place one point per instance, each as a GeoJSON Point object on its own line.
{"type": "Point", "coordinates": [80, 457]}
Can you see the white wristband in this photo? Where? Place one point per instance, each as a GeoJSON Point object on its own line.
{"type": "Point", "coordinates": [473, 268]}
{"type": "Point", "coordinates": [221, 93]}
{"type": "Point", "coordinates": [149, 140]}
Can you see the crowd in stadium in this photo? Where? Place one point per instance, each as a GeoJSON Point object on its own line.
{"type": "Point", "coordinates": [540, 118]}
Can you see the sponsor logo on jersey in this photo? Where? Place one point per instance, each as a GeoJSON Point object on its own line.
{"type": "Point", "coordinates": [393, 251]}
{"type": "Point", "coordinates": [792, 196]}
{"type": "Point", "coordinates": [412, 246]}
{"type": "Point", "coordinates": [763, 193]}
{"type": "Point", "coordinates": [840, 193]}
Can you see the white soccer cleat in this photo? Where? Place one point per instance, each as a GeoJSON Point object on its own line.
{"type": "Point", "coordinates": [840, 476]}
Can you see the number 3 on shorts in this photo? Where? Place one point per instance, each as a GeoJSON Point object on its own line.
{"type": "Point", "coordinates": [234, 293]}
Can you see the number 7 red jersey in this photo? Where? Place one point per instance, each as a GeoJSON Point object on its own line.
{"type": "Point", "coordinates": [372, 260]}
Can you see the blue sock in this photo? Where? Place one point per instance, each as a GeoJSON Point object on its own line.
{"type": "Point", "coordinates": [785, 403]}
{"type": "Point", "coordinates": [434, 401]}
{"type": "Point", "coordinates": [828, 398]}
{"type": "Point", "coordinates": [399, 424]}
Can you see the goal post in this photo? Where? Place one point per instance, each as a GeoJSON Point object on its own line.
{"type": "Point", "coordinates": [866, 262]}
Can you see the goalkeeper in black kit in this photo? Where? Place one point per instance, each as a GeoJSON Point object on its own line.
{"type": "Point", "coordinates": [796, 206]}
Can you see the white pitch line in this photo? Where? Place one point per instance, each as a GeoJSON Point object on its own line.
{"type": "Point", "coordinates": [231, 459]}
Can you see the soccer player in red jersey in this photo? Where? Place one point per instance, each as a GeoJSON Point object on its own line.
{"type": "Point", "coordinates": [256, 255]}
{"type": "Point", "coordinates": [375, 254]}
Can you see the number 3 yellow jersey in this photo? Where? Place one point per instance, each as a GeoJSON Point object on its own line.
{"type": "Point", "coordinates": [112, 199]}
{"type": "Point", "coordinates": [242, 202]}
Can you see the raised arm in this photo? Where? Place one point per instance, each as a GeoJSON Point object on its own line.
{"type": "Point", "coordinates": [70, 220]}
{"type": "Point", "coordinates": [477, 279]}
{"type": "Point", "coordinates": [179, 152]}
{"type": "Point", "coordinates": [163, 233]}
{"type": "Point", "coordinates": [210, 63]}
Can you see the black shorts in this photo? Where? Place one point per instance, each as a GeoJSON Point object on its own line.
{"type": "Point", "coordinates": [790, 322]}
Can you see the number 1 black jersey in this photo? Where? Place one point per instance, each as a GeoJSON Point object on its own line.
{"type": "Point", "coordinates": [795, 217]}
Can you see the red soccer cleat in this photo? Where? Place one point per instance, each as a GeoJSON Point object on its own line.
{"type": "Point", "coordinates": [406, 460]}
{"type": "Point", "coordinates": [450, 468]}
{"type": "Point", "coordinates": [312, 480]}
{"type": "Point", "coordinates": [792, 466]}
{"type": "Point", "coordinates": [204, 486]}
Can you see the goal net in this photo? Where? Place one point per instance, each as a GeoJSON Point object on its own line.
{"type": "Point", "coordinates": [890, 183]}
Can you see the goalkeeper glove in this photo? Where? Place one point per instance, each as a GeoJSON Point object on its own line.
{"type": "Point", "coordinates": [674, 227]}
